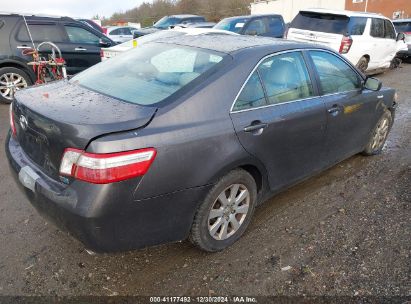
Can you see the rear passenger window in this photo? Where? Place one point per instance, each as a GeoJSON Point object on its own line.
{"type": "Point", "coordinates": [252, 95]}
{"type": "Point", "coordinates": [335, 75]}
{"type": "Point", "coordinates": [285, 78]}
{"type": "Point", "coordinates": [377, 28]}
{"type": "Point", "coordinates": [357, 25]}
{"type": "Point", "coordinates": [389, 30]}
{"type": "Point", "coordinates": [41, 33]}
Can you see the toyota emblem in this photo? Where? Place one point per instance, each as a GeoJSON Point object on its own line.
{"type": "Point", "coordinates": [23, 122]}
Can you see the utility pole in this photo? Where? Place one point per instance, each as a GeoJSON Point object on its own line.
{"type": "Point", "coordinates": [366, 5]}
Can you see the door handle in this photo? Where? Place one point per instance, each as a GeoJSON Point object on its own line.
{"type": "Point", "coordinates": [80, 49]}
{"type": "Point", "coordinates": [335, 110]}
{"type": "Point", "coordinates": [256, 128]}
{"type": "Point", "coordinates": [23, 47]}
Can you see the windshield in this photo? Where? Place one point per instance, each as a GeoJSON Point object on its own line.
{"type": "Point", "coordinates": [320, 22]}
{"type": "Point", "coordinates": [148, 74]}
{"type": "Point", "coordinates": [231, 24]}
{"type": "Point", "coordinates": [403, 27]}
{"type": "Point", "coordinates": [166, 22]}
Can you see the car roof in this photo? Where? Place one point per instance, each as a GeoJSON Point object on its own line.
{"type": "Point", "coordinates": [199, 31]}
{"type": "Point", "coordinates": [33, 15]}
{"type": "Point", "coordinates": [232, 43]}
{"type": "Point", "coordinates": [344, 13]}
{"type": "Point", "coordinates": [185, 16]}
{"type": "Point", "coordinates": [251, 16]}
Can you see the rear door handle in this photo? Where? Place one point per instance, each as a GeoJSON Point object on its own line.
{"type": "Point", "coordinates": [23, 47]}
{"type": "Point", "coordinates": [335, 110]}
{"type": "Point", "coordinates": [256, 128]}
{"type": "Point", "coordinates": [80, 49]}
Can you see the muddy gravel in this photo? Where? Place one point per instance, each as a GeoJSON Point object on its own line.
{"type": "Point", "coordinates": [344, 232]}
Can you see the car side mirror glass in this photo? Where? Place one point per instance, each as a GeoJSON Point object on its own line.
{"type": "Point", "coordinates": [104, 43]}
{"type": "Point", "coordinates": [373, 84]}
{"type": "Point", "coordinates": [400, 36]}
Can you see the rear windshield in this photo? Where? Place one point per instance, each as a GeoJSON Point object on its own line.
{"type": "Point", "coordinates": [231, 24]}
{"type": "Point", "coordinates": [403, 27]}
{"type": "Point", "coordinates": [148, 74]}
{"type": "Point", "coordinates": [329, 23]}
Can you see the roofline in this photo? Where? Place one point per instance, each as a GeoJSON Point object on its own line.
{"type": "Point", "coordinates": [343, 12]}
{"type": "Point", "coordinates": [32, 15]}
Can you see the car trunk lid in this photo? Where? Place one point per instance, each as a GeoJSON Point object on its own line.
{"type": "Point", "coordinates": [62, 115]}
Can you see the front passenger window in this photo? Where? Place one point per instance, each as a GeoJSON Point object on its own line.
{"type": "Point", "coordinates": [335, 75]}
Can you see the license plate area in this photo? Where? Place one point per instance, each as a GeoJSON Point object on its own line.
{"type": "Point", "coordinates": [28, 178]}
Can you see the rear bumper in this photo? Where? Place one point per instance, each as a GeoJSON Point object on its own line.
{"type": "Point", "coordinates": [105, 218]}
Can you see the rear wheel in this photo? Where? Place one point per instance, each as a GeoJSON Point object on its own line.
{"type": "Point", "coordinates": [12, 80]}
{"type": "Point", "coordinates": [379, 135]}
{"type": "Point", "coordinates": [225, 213]}
{"type": "Point", "coordinates": [362, 64]}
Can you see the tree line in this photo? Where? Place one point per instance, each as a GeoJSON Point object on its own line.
{"type": "Point", "coordinates": [213, 10]}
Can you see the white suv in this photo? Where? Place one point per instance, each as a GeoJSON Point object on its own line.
{"type": "Point", "coordinates": [368, 40]}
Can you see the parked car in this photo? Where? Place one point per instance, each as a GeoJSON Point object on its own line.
{"type": "Point", "coordinates": [167, 22]}
{"type": "Point", "coordinates": [107, 53]}
{"type": "Point", "coordinates": [79, 44]}
{"type": "Point", "coordinates": [194, 25]}
{"type": "Point", "coordinates": [94, 25]}
{"type": "Point", "coordinates": [183, 137]}
{"type": "Point", "coordinates": [368, 40]}
{"type": "Point", "coordinates": [404, 26]}
{"type": "Point", "coordinates": [255, 25]}
{"type": "Point", "coordinates": [120, 34]}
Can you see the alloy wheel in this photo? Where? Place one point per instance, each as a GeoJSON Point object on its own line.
{"type": "Point", "coordinates": [380, 135]}
{"type": "Point", "coordinates": [228, 212]}
{"type": "Point", "coordinates": [10, 83]}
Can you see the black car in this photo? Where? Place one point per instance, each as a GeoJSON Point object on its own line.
{"type": "Point", "coordinates": [79, 43]}
{"type": "Point", "coordinates": [190, 138]}
{"type": "Point", "coordinates": [255, 25]}
{"type": "Point", "coordinates": [168, 22]}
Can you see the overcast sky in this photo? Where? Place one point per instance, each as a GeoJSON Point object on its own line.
{"type": "Point", "coordinates": [72, 8]}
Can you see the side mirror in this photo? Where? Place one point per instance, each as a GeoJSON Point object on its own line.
{"type": "Point", "coordinates": [135, 35]}
{"type": "Point", "coordinates": [104, 43]}
{"type": "Point", "coordinates": [401, 36]}
{"type": "Point", "coordinates": [372, 84]}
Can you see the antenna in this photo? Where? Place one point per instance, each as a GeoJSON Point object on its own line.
{"type": "Point", "coordinates": [28, 30]}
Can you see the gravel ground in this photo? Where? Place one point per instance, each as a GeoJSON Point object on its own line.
{"type": "Point", "coordinates": [344, 232]}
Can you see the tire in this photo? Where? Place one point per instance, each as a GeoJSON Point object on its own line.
{"type": "Point", "coordinates": [362, 64]}
{"type": "Point", "coordinates": [379, 135]}
{"type": "Point", "coordinates": [208, 228]}
{"type": "Point", "coordinates": [11, 80]}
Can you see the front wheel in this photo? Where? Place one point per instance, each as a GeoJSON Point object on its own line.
{"type": "Point", "coordinates": [379, 135]}
{"type": "Point", "coordinates": [225, 213]}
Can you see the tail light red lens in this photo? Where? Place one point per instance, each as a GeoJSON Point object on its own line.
{"type": "Point", "coordinates": [345, 46]}
{"type": "Point", "coordinates": [12, 125]}
{"type": "Point", "coordinates": [106, 168]}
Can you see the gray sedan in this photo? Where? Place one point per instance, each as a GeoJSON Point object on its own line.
{"type": "Point", "coordinates": [183, 138]}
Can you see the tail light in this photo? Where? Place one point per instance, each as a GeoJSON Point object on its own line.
{"type": "Point", "coordinates": [12, 125]}
{"type": "Point", "coordinates": [104, 30]}
{"type": "Point", "coordinates": [106, 168]}
{"type": "Point", "coordinates": [101, 53]}
{"type": "Point", "coordinates": [345, 46]}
